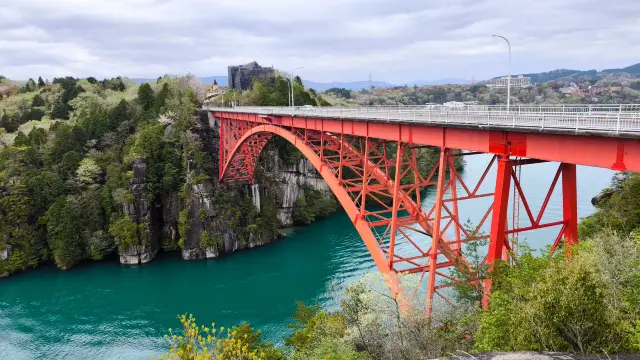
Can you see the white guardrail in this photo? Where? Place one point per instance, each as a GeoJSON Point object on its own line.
{"type": "Point", "coordinates": [594, 118]}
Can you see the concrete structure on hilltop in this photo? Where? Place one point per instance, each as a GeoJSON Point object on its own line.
{"type": "Point", "coordinates": [241, 76]}
{"type": "Point", "coordinates": [516, 82]}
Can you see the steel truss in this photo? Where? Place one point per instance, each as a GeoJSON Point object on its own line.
{"type": "Point", "coordinates": [381, 186]}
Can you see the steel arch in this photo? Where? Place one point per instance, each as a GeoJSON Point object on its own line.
{"type": "Point", "coordinates": [266, 131]}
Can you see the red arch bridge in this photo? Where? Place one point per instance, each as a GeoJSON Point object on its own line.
{"type": "Point", "coordinates": [368, 156]}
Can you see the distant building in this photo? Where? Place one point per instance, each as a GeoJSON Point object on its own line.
{"type": "Point", "coordinates": [241, 76]}
{"type": "Point", "coordinates": [571, 89]}
{"type": "Point", "coordinates": [594, 90]}
{"type": "Point", "coordinates": [453, 104]}
{"type": "Point", "coordinates": [214, 92]}
{"type": "Point", "coordinates": [516, 82]}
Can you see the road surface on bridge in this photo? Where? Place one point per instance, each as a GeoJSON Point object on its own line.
{"type": "Point", "coordinates": [606, 120]}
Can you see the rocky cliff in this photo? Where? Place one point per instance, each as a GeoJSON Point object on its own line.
{"type": "Point", "coordinates": [140, 211]}
{"type": "Point", "coordinates": [218, 218]}
{"type": "Point", "coordinates": [289, 181]}
{"type": "Point", "coordinates": [207, 219]}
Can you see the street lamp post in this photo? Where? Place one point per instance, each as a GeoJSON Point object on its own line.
{"type": "Point", "coordinates": [509, 78]}
{"type": "Point", "coordinates": [292, 102]}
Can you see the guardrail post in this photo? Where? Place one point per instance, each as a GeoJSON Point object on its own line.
{"type": "Point", "coordinates": [618, 122]}
{"type": "Point", "coordinates": [514, 120]}
{"type": "Point", "coordinates": [577, 119]}
{"type": "Point", "coordinates": [542, 122]}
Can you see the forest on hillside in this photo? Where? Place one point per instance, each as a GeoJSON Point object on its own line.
{"type": "Point", "coordinates": [627, 91]}
{"type": "Point", "coordinates": [89, 168]}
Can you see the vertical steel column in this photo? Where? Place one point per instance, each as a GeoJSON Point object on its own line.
{"type": "Point", "coordinates": [570, 203]}
{"type": "Point", "coordinates": [396, 203]}
{"type": "Point", "coordinates": [454, 197]}
{"type": "Point", "coordinates": [498, 234]}
{"type": "Point", "coordinates": [222, 150]}
{"type": "Point", "coordinates": [435, 236]}
{"type": "Point", "coordinates": [365, 175]}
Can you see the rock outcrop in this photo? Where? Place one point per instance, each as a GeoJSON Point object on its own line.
{"type": "Point", "coordinates": [208, 219]}
{"type": "Point", "coordinates": [604, 195]}
{"type": "Point", "coordinates": [290, 181]}
{"type": "Point", "coordinates": [141, 213]}
{"type": "Point", "coordinates": [171, 206]}
{"type": "Point", "coordinates": [4, 255]}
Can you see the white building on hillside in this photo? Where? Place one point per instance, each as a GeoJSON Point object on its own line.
{"type": "Point", "coordinates": [516, 82]}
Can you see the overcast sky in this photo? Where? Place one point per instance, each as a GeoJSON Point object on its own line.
{"type": "Point", "coordinates": [335, 40]}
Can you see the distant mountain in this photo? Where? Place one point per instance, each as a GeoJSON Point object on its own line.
{"type": "Point", "coordinates": [445, 81]}
{"type": "Point", "coordinates": [354, 85]}
{"type": "Point", "coordinates": [572, 75]}
{"type": "Point", "coordinates": [222, 80]}
{"type": "Point", "coordinates": [633, 69]}
{"type": "Point", "coordinates": [359, 85]}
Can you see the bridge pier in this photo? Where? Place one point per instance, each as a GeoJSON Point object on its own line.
{"type": "Point", "coordinates": [499, 221]}
{"type": "Point", "coordinates": [570, 203]}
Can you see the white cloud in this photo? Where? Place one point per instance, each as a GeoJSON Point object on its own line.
{"type": "Point", "coordinates": [333, 39]}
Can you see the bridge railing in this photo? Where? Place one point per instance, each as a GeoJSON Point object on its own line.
{"type": "Point", "coordinates": [602, 118]}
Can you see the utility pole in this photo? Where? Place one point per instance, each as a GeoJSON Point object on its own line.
{"type": "Point", "coordinates": [509, 78]}
{"type": "Point", "coordinates": [370, 90]}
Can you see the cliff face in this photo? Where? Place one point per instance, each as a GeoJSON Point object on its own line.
{"type": "Point", "coordinates": [208, 219]}
{"type": "Point", "coordinates": [218, 219]}
{"type": "Point", "coordinates": [171, 207]}
{"type": "Point", "coordinates": [141, 213]}
{"type": "Point", "coordinates": [289, 181]}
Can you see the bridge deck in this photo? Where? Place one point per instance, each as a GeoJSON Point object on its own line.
{"type": "Point", "coordinates": [603, 120]}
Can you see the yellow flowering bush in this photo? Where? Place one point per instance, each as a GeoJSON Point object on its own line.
{"type": "Point", "coordinates": [207, 343]}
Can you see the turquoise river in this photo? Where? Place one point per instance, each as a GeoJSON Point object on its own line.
{"type": "Point", "coordinates": [108, 311]}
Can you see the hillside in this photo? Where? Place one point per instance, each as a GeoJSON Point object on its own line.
{"type": "Point", "coordinates": [573, 75]}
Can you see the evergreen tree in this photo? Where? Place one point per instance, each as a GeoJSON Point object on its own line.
{"type": "Point", "coordinates": [161, 98]}
{"type": "Point", "coordinates": [146, 99]}
{"type": "Point", "coordinates": [41, 82]}
{"type": "Point", "coordinates": [31, 85]}
{"type": "Point", "coordinates": [119, 114]}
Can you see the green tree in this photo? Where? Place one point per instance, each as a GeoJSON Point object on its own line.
{"type": "Point", "coordinates": [71, 222]}
{"type": "Point", "coordinates": [146, 99]}
{"type": "Point", "coordinates": [585, 305]}
{"type": "Point", "coordinates": [161, 98]}
{"type": "Point", "coordinates": [31, 85]}
{"type": "Point", "coordinates": [88, 171]}
{"type": "Point", "coordinates": [41, 82]}
{"type": "Point", "coordinates": [21, 139]}
{"type": "Point", "coordinates": [37, 101]}
{"type": "Point", "coordinates": [89, 111]}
